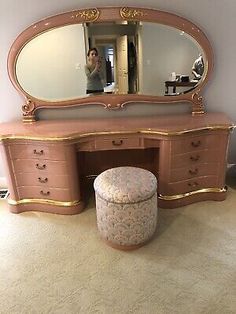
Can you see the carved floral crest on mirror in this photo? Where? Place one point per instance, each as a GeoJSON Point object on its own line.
{"type": "Point", "coordinates": [142, 46]}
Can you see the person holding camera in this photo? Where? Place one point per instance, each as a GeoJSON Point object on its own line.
{"type": "Point", "coordinates": [93, 72]}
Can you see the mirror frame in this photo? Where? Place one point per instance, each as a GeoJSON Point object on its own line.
{"type": "Point", "coordinates": [111, 101]}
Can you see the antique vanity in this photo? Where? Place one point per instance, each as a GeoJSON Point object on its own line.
{"type": "Point", "coordinates": [49, 163]}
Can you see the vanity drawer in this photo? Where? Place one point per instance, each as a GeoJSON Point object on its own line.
{"type": "Point", "coordinates": [34, 179]}
{"type": "Point", "coordinates": [37, 151]}
{"type": "Point", "coordinates": [195, 157]}
{"type": "Point", "coordinates": [87, 146]}
{"type": "Point", "coordinates": [195, 143]}
{"type": "Point", "coordinates": [44, 193]}
{"type": "Point", "coordinates": [190, 172]}
{"type": "Point", "coordinates": [191, 185]}
{"type": "Point", "coordinates": [117, 143]}
{"type": "Point", "coordinates": [40, 166]}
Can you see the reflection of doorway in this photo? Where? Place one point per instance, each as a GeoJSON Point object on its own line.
{"type": "Point", "coordinates": [122, 64]}
{"type": "Point", "coordinates": [117, 46]}
{"type": "Point", "coordinates": [107, 52]}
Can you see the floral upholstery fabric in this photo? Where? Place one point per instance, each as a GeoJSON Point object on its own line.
{"type": "Point", "coordinates": [125, 184]}
{"type": "Point", "coordinates": [132, 219]}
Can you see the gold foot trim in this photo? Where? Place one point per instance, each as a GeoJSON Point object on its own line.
{"type": "Point", "coordinates": [43, 201]}
{"type": "Point", "coordinates": [179, 196]}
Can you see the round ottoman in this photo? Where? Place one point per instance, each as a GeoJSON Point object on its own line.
{"type": "Point", "coordinates": [126, 206]}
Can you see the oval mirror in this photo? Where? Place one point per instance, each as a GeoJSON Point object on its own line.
{"type": "Point", "coordinates": [145, 55]}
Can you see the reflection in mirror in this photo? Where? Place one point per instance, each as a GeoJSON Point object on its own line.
{"type": "Point", "coordinates": [137, 58]}
{"type": "Point", "coordinates": [51, 66]}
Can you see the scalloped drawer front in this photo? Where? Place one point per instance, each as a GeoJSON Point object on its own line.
{"type": "Point", "coordinates": [199, 170]}
{"type": "Point", "coordinates": [195, 157]}
{"type": "Point", "coordinates": [191, 185]}
{"type": "Point", "coordinates": [37, 151]}
{"type": "Point", "coordinates": [194, 143]}
{"type": "Point", "coordinates": [44, 193]}
{"type": "Point", "coordinates": [42, 180]}
{"type": "Point", "coordinates": [117, 143]}
{"type": "Point", "coordinates": [40, 166]}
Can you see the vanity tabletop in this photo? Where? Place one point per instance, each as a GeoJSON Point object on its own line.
{"type": "Point", "coordinates": [65, 129]}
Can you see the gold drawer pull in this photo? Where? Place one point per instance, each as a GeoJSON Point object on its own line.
{"type": "Point", "coordinates": [40, 152]}
{"type": "Point", "coordinates": [196, 144]}
{"type": "Point", "coordinates": [45, 193]}
{"type": "Point", "coordinates": [117, 143]}
{"type": "Point", "coordinates": [195, 158]}
{"type": "Point", "coordinates": [42, 180]}
{"type": "Point", "coordinates": [41, 167]}
{"type": "Point", "coordinates": [193, 184]}
{"type": "Point", "coordinates": [193, 172]}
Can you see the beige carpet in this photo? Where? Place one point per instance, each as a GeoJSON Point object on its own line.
{"type": "Point", "coordinates": [57, 264]}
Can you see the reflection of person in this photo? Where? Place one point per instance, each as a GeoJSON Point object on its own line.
{"type": "Point", "coordinates": [198, 67]}
{"type": "Point", "coordinates": [92, 71]}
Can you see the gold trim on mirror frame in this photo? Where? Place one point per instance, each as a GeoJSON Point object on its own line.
{"type": "Point", "coordinates": [43, 201]}
{"type": "Point", "coordinates": [144, 131]}
{"type": "Point", "coordinates": [179, 196]}
{"type": "Point", "coordinates": [29, 119]}
{"type": "Point", "coordinates": [28, 111]}
{"type": "Point", "coordinates": [131, 13]}
{"type": "Point", "coordinates": [198, 107]}
{"type": "Point", "coordinates": [114, 107]}
{"type": "Point", "coordinates": [90, 15]}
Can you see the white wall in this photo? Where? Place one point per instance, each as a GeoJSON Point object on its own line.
{"type": "Point", "coordinates": [216, 18]}
{"type": "Point", "coordinates": [51, 66]}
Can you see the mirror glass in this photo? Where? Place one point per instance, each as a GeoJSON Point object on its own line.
{"type": "Point", "coordinates": [136, 58]}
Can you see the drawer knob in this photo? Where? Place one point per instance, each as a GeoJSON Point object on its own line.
{"type": "Point", "coordinates": [195, 158]}
{"type": "Point", "coordinates": [38, 152]}
{"type": "Point", "coordinates": [193, 184]}
{"type": "Point", "coordinates": [44, 193]}
{"type": "Point", "coordinates": [38, 166]}
{"type": "Point", "coordinates": [117, 143]}
{"type": "Point", "coordinates": [193, 172]}
{"type": "Point", "coordinates": [42, 180]}
{"type": "Point", "coordinates": [196, 144]}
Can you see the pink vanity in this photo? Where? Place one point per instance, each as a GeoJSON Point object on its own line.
{"type": "Point", "coordinates": [49, 164]}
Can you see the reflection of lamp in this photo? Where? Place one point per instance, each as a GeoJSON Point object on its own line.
{"type": "Point", "coordinates": [173, 76]}
{"type": "Point", "coordinates": [198, 67]}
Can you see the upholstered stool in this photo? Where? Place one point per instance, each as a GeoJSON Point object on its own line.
{"type": "Point", "coordinates": [126, 206]}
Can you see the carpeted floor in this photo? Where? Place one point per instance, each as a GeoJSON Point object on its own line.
{"type": "Point", "coordinates": [57, 264]}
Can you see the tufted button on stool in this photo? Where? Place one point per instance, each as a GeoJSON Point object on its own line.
{"type": "Point", "coordinates": [126, 206]}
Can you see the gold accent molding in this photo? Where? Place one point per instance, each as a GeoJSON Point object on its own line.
{"type": "Point", "coordinates": [148, 131]}
{"type": "Point", "coordinates": [89, 15]}
{"type": "Point", "coordinates": [179, 196]}
{"type": "Point", "coordinates": [116, 107]}
{"type": "Point", "coordinates": [29, 119]}
{"type": "Point", "coordinates": [42, 201]}
{"type": "Point", "coordinates": [131, 13]}
{"type": "Point", "coordinates": [28, 111]}
{"type": "Point", "coordinates": [197, 99]}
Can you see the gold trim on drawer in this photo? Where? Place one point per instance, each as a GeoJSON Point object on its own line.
{"type": "Point", "coordinates": [179, 196]}
{"type": "Point", "coordinates": [43, 201]}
